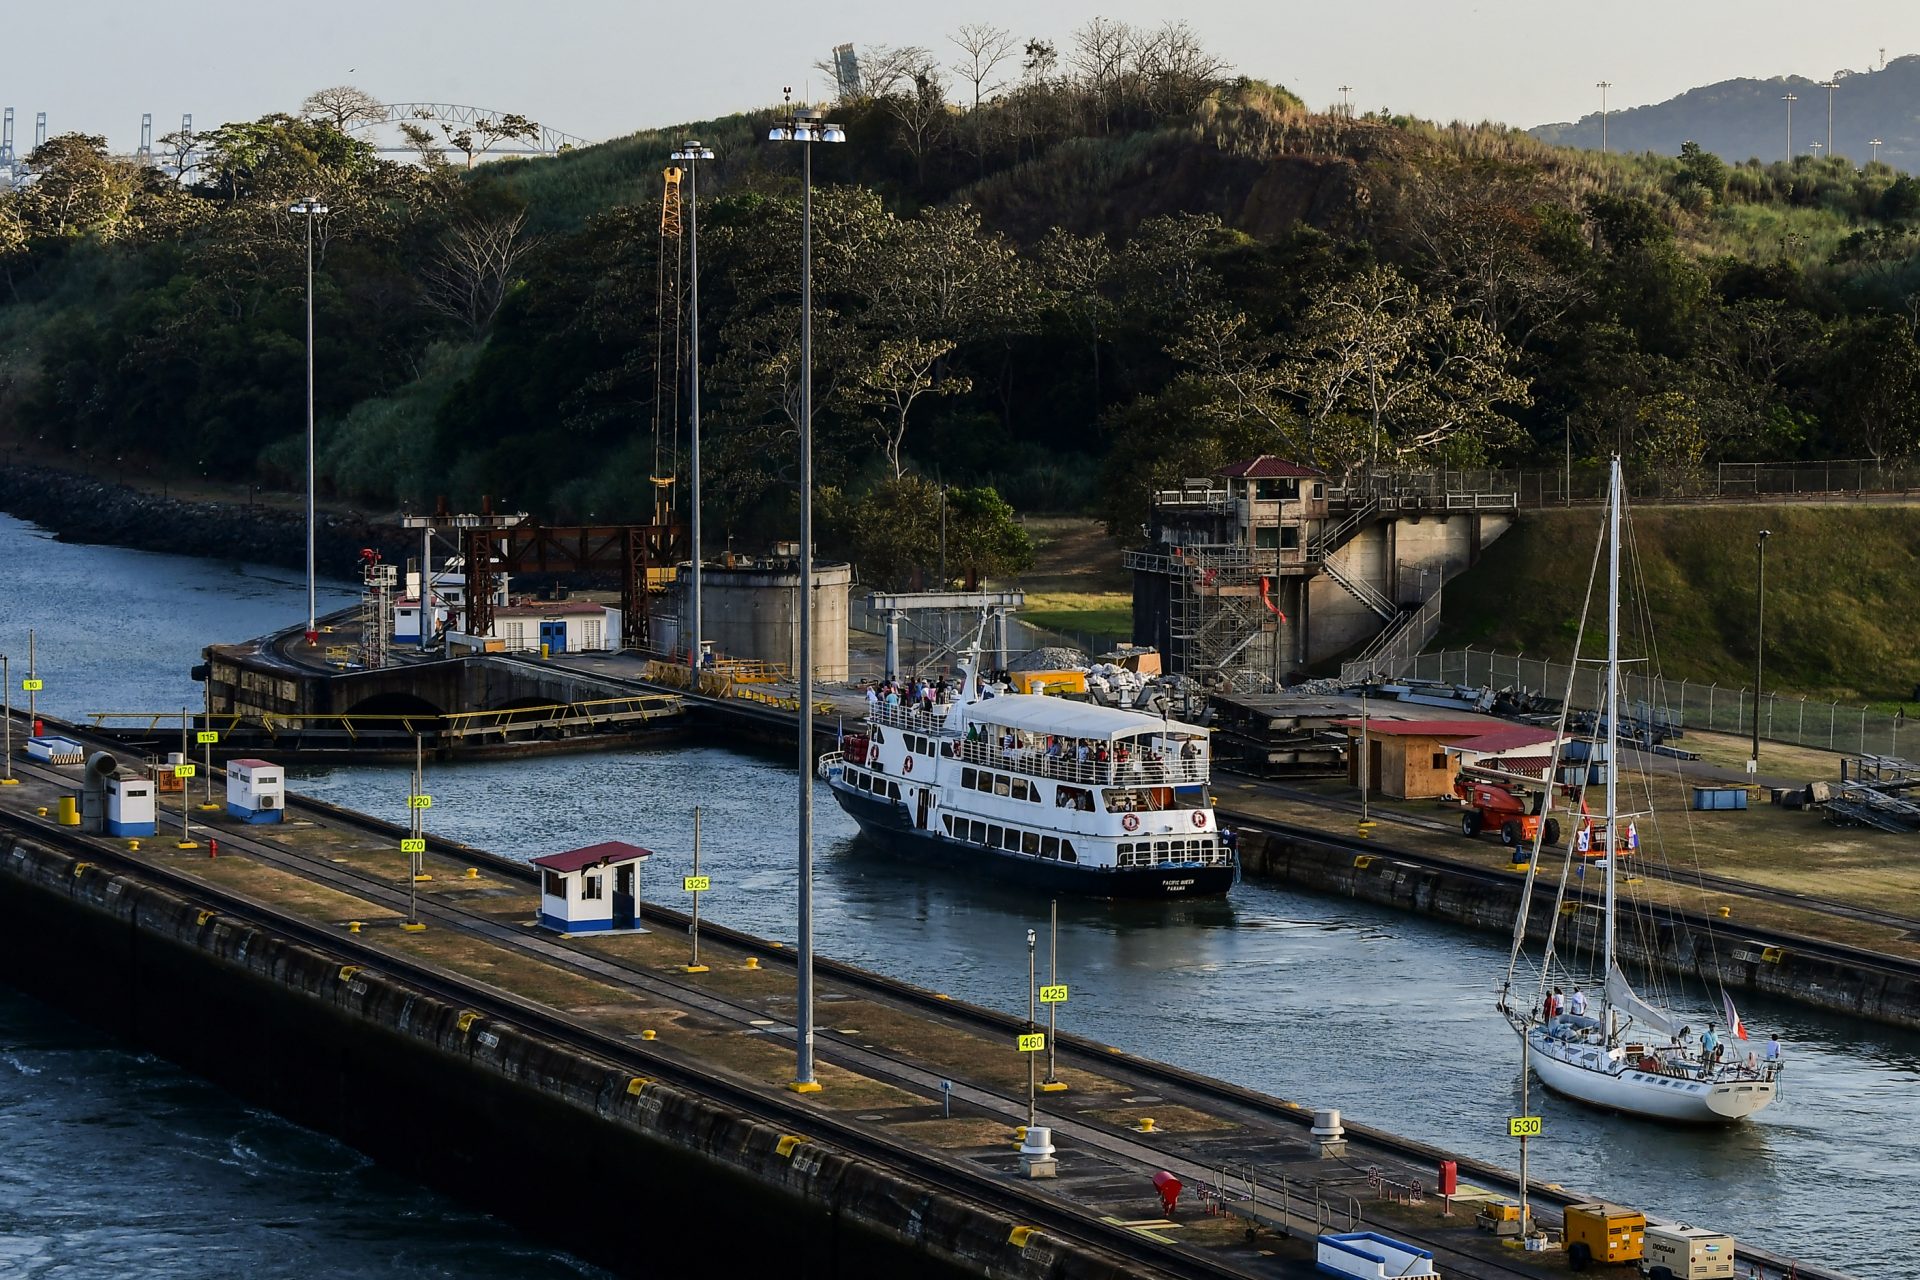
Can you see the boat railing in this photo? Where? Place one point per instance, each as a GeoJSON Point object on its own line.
{"type": "Point", "coordinates": [1144, 767]}
{"type": "Point", "coordinates": [830, 763]}
{"type": "Point", "coordinates": [909, 715]}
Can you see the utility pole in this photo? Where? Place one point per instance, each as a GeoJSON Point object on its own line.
{"type": "Point", "coordinates": [1346, 101]}
{"type": "Point", "coordinates": [1603, 86]}
{"type": "Point", "coordinates": [6, 688]}
{"type": "Point", "coordinates": [1789, 99]}
{"type": "Point", "coordinates": [183, 774]}
{"type": "Point", "coordinates": [1759, 643]}
{"type": "Point", "coordinates": [1053, 980]}
{"type": "Point", "coordinates": [33, 686]}
{"type": "Point", "coordinates": [1033, 1066]}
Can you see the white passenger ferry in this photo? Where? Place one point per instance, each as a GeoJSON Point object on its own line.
{"type": "Point", "coordinates": [1063, 794]}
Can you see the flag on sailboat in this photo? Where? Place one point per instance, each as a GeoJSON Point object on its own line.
{"type": "Point", "coordinates": [1633, 836]}
{"type": "Point", "coordinates": [1735, 1027]}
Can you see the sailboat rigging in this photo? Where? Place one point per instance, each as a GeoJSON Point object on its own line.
{"type": "Point", "coordinates": [1630, 1055]}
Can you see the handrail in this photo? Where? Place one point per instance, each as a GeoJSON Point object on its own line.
{"type": "Point", "coordinates": [593, 709]}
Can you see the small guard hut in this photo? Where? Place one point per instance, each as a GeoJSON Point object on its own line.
{"type": "Point", "coordinates": [591, 890]}
{"type": "Point", "coordinates": [256, 791]}
{"type": "Point", "coordinates": [130, 804]}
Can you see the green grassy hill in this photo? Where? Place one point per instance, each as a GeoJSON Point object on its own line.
{"type": "Point", "coordinates": [1842, 616]}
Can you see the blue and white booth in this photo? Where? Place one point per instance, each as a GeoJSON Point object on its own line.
{"type": "Point", "coordinates": [130, 803]}
{"type": "Point", "coordinates": [592, 890]}
{"type": "Point", "coordinates": [256, 790]}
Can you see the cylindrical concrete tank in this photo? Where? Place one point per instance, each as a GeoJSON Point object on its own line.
{"type": "Point", "coordinates": [752, 610]}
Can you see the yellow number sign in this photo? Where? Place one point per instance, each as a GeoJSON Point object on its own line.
{"type": "Point", "coordinates": [419, 802]}
{"type": "Point", "coordinates": [696, 884]}
{"type": "Point", "coordinates": [413, 844]}
{"type": "Point", "coordinates": [1033, 1043]}
{"type": "Point", "coordinates": [1523, 1126]}
{"type": "Point", "coordinates": [206, 737]}
{"type": "Point", "coordinates": [183, 771]}
{"type": "Point", "coordinates": [1054, 995]}
{"type": "Point", "coordinates": [33, 686]}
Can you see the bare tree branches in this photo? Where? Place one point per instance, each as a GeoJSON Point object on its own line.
{"type": "Point", "coordinates": [983, 47]}
{"type": "Point", "coordinates": [473, 267]}
{"type": "Point", "coordinates": [484, 134]}
{"type": "Point", "coordinates": [344, 107]}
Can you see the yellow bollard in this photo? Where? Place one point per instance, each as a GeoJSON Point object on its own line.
{"type": "Point", "coordinates": [1725, 912]}
{"type": "Point", "coordinates": [69, 812]}
{"type": "Point", "coordinates": [1146, 1125]}
{"type": "Point", "coordinates": [353, 926]}
{"type": "Point", "coordinates": [42, 811]}
{"type": "Point", "coordinates": [133, 846]}
{"type": "Point", "coordinates": [753, 962]}
{"type": "Point", "coordinates": [473, 873]}
{"type": "Point", "coordinates": [647, 1034]}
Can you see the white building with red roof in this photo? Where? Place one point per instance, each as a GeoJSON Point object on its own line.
{"type": "Point", "coordinates": [592, 890]}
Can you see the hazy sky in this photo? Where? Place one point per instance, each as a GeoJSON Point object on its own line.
{"type": "Point", "coordinates": [598, 68]}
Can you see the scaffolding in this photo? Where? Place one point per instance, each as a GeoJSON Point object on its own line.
{"type": "Point", "coordinates": [1215, 610]}
{"type": "Point", "coordinates": [376, 610]}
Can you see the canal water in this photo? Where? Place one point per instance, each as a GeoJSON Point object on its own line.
{"type": "Point", "coordinates": [1321, 1000]}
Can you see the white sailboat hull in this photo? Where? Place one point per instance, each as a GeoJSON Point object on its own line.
{"type": "Point", "coordinates": [1585, 1074]}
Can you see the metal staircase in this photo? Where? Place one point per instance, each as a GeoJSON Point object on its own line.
{"type": "Point", "coordinates": [1366, 593]}
{"type": "Point", "coordinates": [1214, 611]}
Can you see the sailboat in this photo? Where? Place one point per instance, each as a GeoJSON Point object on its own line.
{"type": "Point", "coordinates": [1628, 1054]}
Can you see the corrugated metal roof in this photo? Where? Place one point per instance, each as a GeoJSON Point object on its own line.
{"type": "Point", "coordinates": [1266, 467]}
{"type": "Point", "coordinates": [609, 852]}
{"type": "Point", "coordinates": [555, 609]}
{"type": "Point", "coordinates": [1467, 735]}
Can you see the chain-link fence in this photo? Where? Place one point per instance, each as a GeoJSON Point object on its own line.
{"type": "Point", "coordinates": [1691, 704]}
{"type": "Point", "coordinates": [1585, 483]}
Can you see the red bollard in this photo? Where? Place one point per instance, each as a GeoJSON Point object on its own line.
{"type": "Point", "coordinates": [1169, 1188]}
{"type": "Point", "coordinates": [213, 847]}
{"type": "Point", "coordinates": [39, 728]}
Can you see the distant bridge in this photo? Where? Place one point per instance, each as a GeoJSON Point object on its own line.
{"type": "Point", "coordinates": [397, 113]}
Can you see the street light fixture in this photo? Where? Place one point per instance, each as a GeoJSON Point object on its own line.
{"type": "Point", "coordinates": [1759, 644]}
{"type": "Point", "coordinates": [691, 153]}
{"type": "Point", "coordinates": [1876, 144]}
{"type": "Point", "coordinates": [311, 208]}
{"type": "Point", "coordinates": [1789, 99]}
{"type": "Point", "coordinates": [1603, 86]}
{"type": "Point", "coordinates": [1829, 86]}
{"type": "Point", "coordinates": [806, 126]}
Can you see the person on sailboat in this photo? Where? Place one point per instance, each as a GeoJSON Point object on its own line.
{"type": "Point", "coordinates": [1577, 1003]}
{"type": "Point", "coordinates": [1709, 1046]}
{"type": "Point", "coordinates": [1773, 1050]}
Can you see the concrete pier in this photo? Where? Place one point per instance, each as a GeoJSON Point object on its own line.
{"type": "Point", "coordinates": [285, 969]}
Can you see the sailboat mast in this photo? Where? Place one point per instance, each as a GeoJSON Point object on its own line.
{"type": "Point", "coordinates": [1613, 726]}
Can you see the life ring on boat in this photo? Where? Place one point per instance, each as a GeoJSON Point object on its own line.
{"type": "Point", "coordinates": [908, 766]}
{"type": "Point", "coordinates": [1131, 822]}
{"type": "Point", "coordinates": [1199, 818]}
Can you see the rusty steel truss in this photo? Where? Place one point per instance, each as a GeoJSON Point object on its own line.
{"type": "Point", "coordinates": [629, 550]}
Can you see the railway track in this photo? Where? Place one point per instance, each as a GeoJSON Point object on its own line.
{"type": "Point", "coordinates": [1690, 879]}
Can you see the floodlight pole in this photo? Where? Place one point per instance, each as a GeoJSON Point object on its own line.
{"type": "Point", "coordinates": [693, 153]}
{"type": "Point", "coordinates": [805, 127]}
{"type": "Point", "coordinates": [311, 208]}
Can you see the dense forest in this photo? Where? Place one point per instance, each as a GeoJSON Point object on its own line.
{"type": "Point", "coordinates": [1045, 275]}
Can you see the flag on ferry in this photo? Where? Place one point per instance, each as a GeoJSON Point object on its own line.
{"type": "Point", "coordinates": [1735, 1027]}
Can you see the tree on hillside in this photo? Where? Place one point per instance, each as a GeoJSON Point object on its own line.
{"type": "Point", "coordinates": [983, 47]}
{"type": "Point", "coordinates": [1076, 271]}
{"type": "Point", "coordinates": [919, 106]}
{"type": "Point", "coordinates": [484, 133]}
{"type": "Point", "coordinates": [424, 145]}
{"type": "Point", "coordinates": [892, 531]}
{"type": "Point", "coordinates": [474, 263]}
{"type": "Point", "coordinates": [78, 189]}
{"type": "Point", "coordinates": [344, 107]}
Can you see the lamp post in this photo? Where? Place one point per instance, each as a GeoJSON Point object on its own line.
{"type": "Point", "coordinates": [805, 126]}
{"type": "Point", "coordinates": [1876, 144]}
{"type": "Point", "coordinates": [692, 153]}
{"type": "Point", "coordinates": [1829, 86]}
{"type": "Point", "coordinates": [1603, 86]}
{"type": "Point", "coordinates": [1789, 99]}
{"type": "Point", "coordinates": [1759, 643]}
{"type": "Point", "coordinates": [310, 208]}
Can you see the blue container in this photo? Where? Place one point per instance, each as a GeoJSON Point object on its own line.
{"type": "Point", "coordinates": [1719, 797]}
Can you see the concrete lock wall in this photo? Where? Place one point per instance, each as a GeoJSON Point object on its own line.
{"type": "Point", "coordinates": [1389, 555]}
{"type": "Point", "coordinates": [479, 1107]}
{"type": "Point", "coordinates": [1490, 901]}
{"type": "Point", "coordinates": [755, 613]}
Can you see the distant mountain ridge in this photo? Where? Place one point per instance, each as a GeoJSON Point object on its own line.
{"type": "Point", "coordinates": [1744, 119]}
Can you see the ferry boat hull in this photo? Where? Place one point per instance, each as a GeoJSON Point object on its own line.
{"type": "Point", "coordinates": [890, 822]}
{"type": "Point", "coordinates": [1648, 1093]}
